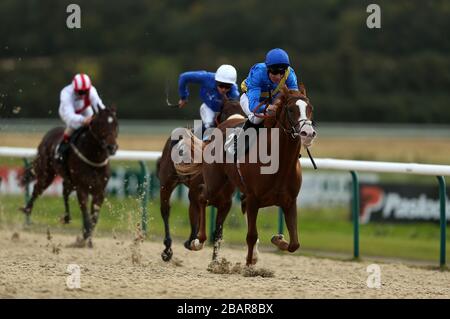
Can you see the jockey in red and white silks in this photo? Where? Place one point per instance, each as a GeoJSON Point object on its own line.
{"type": "Point", "coordinates": [76, 108]}
{"type": "Point", "coordinates": [77, 101]}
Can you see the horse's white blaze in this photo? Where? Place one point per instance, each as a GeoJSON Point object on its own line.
{"type": "Point", "coordinates": [110, 119]}
{"type": "Point", "coordinates": [302, 107]}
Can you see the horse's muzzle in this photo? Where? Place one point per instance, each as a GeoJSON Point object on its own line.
{"type": "Point", "coordinates": [307, 135]}
{"type": "Point", "coordinates": [112, 148]}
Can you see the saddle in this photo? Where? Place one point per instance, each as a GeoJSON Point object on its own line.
{"type": "Point", "coordinates": [62, 149]}
{"type": "Point", "coordinates": [76, 134]}
{"type": "Point", "coordinates": [239, 138]}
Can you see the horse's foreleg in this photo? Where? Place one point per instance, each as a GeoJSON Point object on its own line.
{"type": "Point", "coordinates": [194, 208]}
{"type": "Point", "coordinates": [202, 220]}
{"type": "Point", "coordinates": [87, 225]}
{"type": "Point", "coordinates": [252, 231]}
{"type": "Point", "coordinates": [165, 192]}
{"type": "Point", "coordinates": [222, 213]}
{"type": "Point", "coordinates": [67, 189]}
{"type": "Point", "coordinates": [97, 202]}
{"type": "Point", "coordinates": [290, 215]}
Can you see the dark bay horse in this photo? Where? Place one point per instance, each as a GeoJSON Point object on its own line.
{"type": "Point", "coordinates": [86, 170]}
{"type": "Point", "coordinates": [169, 178]}
{"type": "Point", "coordinates": [293, 120]}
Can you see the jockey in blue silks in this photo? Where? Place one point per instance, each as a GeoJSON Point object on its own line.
{"type": "Point", "coordinates": [214, 86]}
{"type": "Point", "coordinates": [271, 76]}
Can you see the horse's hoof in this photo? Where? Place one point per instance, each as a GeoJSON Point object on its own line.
{"type": "Point", "coordinates": [166, 255]}
{"type": "Point", "coordinates": [89, 243]}
{"type": "Point", "coordinates": [278, 240]}
{"type": "Point", "coordinates": [196, 245]}
{"type": "Point", "coordinates": [65, 219]}
{"type": "Point", "coordinates": [25, 210]}
{"type": "Point", "coordinates": [79, 243]}
{"type": "Point", "coordinates": [293, 247]}
{"type": "Point", "coordinates": [187, 245]}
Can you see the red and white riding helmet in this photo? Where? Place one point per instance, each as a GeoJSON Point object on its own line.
{"type": "Point", "coordinates": [81, 82]}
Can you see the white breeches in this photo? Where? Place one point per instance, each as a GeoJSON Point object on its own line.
{"type": "Point", "coordinates": [245, 107]}
{"type": "Point", "coordinates": [207, 115]}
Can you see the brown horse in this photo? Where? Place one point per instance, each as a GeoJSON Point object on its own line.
{"type": "Point", "coordinates": [293, 120]}
{"type": "Point", "coordinates": [86, 170]}
{"type": "Point", "coordinates": [169, 178]}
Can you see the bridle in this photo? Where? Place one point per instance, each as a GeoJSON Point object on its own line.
{"type": "Point", "coordinates": [102, 143]}
{"type": "Point", "coordinates": [295, 126]}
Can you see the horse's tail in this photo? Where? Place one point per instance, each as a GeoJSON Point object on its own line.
{"type": "Point", "coordinates": [27, 176]}
{"type": "Point", "coordinates": [196, 147]}
{"type": "Point", "coordinates": [158, 166]}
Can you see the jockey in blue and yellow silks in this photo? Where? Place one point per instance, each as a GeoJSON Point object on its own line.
{"type": "Point", "coordinates": [271, 76]}
{"type": "Point", "coordinates": [214, 86]}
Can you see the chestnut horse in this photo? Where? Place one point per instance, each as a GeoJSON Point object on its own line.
{"type": "Point", "coordinates": [86, 169]}
{"type": "Point", "coordinates": [293, 119]}
{"type": "Point", "coordinates": [169, 178]}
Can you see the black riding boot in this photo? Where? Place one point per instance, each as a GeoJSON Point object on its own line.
{"type": "Point", "coordinates": [248, 124]}
{"type": "Point", "coordinates": [62, 151]}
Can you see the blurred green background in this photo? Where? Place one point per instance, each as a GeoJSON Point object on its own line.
{"type": "Point", "coordinates": [399, 73]}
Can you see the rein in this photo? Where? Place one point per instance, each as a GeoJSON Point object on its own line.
{"type": "Point", "coordinates": [267, 101]}
{"type": "Point", "coordinates": [86, 160]}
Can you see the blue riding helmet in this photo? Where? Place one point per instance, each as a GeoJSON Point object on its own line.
{"type": "Point", "coordinates": [277, 56]}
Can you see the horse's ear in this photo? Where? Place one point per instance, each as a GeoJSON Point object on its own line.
{"type": "Point", "coordinates": [225, 99]}
{"type": "Point", "coordinates": [302, 89]}
{"type": "Point", "coordinates": [113, 108]}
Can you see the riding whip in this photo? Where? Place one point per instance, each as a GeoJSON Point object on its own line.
{"type": "Point", "coordinates": [167, 97]}
{"type": "Point", "coordinates": [311, 158]}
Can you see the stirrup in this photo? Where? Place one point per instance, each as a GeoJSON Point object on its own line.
{"type": "Point", "coordinates": [247, 124]}
{"type": "Point", "coordinates": [61, 151]}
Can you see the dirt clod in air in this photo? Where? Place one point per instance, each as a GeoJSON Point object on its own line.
{"type": "Point", "coordinates": [15, 237]}
{"type": "Point", "coordinates": [53, 247]}
{"type": "Point", "coordinates": [252, 271]}
{"type": "Point", "coordinates": [136, 255]}
{"type": "Point", "coordinates": [225, 267]}
{"type": "Point", "coordinates": [49, 235]}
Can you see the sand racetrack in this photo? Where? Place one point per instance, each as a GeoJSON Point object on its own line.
{"type": "Point", "coordinates": [32, 266]}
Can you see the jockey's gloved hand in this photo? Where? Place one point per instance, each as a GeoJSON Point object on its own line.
{"type": "Point", "coordinates": [182, 103]}
{"type": "Point", "coordinates": [271, 109]}
{"type": "Point", "coordinates": [87, 121]}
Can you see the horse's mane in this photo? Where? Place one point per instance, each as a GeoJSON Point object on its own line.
{"type": "Point", "coordinates": [295, 94]}
{"type": "Point", "coordinates": [229, 108]}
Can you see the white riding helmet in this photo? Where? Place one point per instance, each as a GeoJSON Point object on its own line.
{"type": "Point", "coordinates": [81, 82]}
{"type": "Point", "coordinates": [226, 74]}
